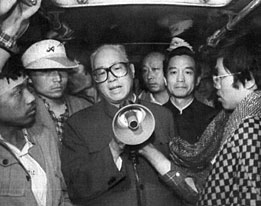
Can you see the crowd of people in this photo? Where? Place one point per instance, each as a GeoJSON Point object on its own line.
{"type": "Point", "coordinates": [57, 142]}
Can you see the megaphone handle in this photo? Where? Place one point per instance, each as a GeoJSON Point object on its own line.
{"type": "Point", "coordinates": [134, 159]}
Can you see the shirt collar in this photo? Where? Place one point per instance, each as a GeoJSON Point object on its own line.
{"type": "Point", "coordinates": [153, 100]}
{"type": "Point", "coordinates": [111, 109]}
{"type": "Point", "coordinates": [15, 150]}
{"type": "Point", "coordinates": [183, 108]}
{"type": "Point", "coordinates": [63, 116]}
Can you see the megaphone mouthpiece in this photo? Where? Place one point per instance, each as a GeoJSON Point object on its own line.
{"type": "Point", "coordinates": [132, 120]}
{"type": "Point", "coordinates": [133, 124]}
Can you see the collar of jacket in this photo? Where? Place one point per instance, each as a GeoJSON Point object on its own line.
{"type": "Point", "coordinates": [4, 145]}
{"type": "Point", "coordinates": [249, 106]}
{"type": "Point", "coordinates": [111, 110]}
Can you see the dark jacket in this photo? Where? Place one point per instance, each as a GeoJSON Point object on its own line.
{"type": "Point", "coordinates": [191, 123]}
{"type": "Point", "coordinates": [88, 167]}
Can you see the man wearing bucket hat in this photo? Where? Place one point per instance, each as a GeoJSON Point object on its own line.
{"type": "Point", "coordinates": [47, 66]}
{"type": "Point", "coordinates": [29, 158]}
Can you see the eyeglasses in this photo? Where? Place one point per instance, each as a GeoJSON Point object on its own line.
{"type": "Point", "coordinates": [217, 79]}
{"type": "Point", "coordinates": [119, 69]}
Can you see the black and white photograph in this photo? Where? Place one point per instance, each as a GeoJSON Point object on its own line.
{"type": "Point", "coordinates": [130, 102]}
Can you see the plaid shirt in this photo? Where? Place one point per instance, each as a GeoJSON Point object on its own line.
{"type": "Point", "coordinates": [8, 42]}
{"type": "Point", "coordinates": [59, 121]}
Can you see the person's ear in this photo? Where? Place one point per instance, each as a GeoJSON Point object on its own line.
{"type": "Point", "coordinates": [132, 69]}
{"type": "Point", "coordinates": [81, 69]}
{"type": "Point", "coordinates": [250, 84]}
{"type": "Point", "coordinates": [30, 80]}
{"type": "Point", "coordinates": [165, 81]}
{"type": "Point", "coordinates": [198, 80]}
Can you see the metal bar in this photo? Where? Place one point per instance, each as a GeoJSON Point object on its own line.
{"type": "Point", "coordinates": [250, 7]}
{"type": "Point", "coordinates": [215, 38]}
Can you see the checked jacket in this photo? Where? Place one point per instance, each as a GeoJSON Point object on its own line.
{"type": "Point", "coordinates": [235, 178]}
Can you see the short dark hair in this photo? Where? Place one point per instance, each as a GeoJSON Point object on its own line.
{"type": "Point", "coordinates": [243, 59]}
{"type": "Point", "coordinates": [12, 69]}
{"type": "Point", "coordinates": [182, 51]}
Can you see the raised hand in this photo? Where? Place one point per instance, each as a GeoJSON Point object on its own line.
{"type": "Point", "coordinates": [6, 5]}
{"type": "Point", "coordinates": [19, 13]}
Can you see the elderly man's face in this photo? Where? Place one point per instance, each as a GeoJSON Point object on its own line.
{"type": "Point", "coordinates": [17, 104]}
{"type": "Point", "coordinates": [114, 89]}
{"type": "Point", "coordinates": [152, 73]}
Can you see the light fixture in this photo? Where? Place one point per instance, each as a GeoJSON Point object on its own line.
{"type": "Point", "coordinates": [84, 3]}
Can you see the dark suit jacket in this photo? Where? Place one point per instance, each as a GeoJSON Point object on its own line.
{"type": "Point", "coordinates": [191, 123]}
{"type": "Point", "coordinates": [88, 167]}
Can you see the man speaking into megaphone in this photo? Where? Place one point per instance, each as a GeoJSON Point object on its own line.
{"type": "Point", "coordinates": [96, 164]}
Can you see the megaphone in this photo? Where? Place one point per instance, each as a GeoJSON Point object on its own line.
{"type": "Point", "coordinates": [133, 124]}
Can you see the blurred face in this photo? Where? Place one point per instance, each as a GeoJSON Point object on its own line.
{"type": "Point", "coordinates": [205, 87]}
{"type": "Point", "coordinates": [50, 83]}
{"type": "Point", "coordinates": [78, 79]}
{"type": "Point", "coordinates": [152, 74]}
{"type": "Point", "coordinates": [17, 104]}
{"type": "Point", "coordinates": [181, 76]}
{"type": "Point", "coordinates": [114, 89]}
{"type": "Point", "coordinates": [228, 95]}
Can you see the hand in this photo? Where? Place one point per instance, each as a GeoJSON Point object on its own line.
{"type": "Point", "coordinates": [24, 9]}
{"type": "Point", "coordinates": [145, 150]}
{"type": "Point", "coordinates": [29, 7]}
{"type": "Point", "coordinates": [17, 22]}
{"type": "Point", "coordinates": [6, 5]}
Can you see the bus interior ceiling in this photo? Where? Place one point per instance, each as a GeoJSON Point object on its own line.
{"type": "Point", "coordinates": [142, 27]}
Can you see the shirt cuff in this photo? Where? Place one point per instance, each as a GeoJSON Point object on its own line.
{"type": "Point", "coordinates": [8, 43]}
{"type": "Point", "coordinates": [181, 183]}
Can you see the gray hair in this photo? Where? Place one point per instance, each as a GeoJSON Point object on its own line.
{"type": "Point", "coordinates": [118, 47]}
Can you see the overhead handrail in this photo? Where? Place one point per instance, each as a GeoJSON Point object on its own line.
{"type": "Point", "coordinates": [89, 3]}
{"type": "Point", "coordinates": [218, 35]}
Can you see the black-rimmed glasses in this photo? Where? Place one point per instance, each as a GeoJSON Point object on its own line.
{"type": "Point", "coordinates": [119, 69]}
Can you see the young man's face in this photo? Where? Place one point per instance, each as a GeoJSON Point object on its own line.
{"type": "Point", "coordinates": [227, 94]}
{"type": "Point", "coordinates": [152, 73]}
{"type": "Point", "coordinates": [17, 104]}
{"type": "Point", "coordinates": [114, 89]}
{"type": "Point", "coordinates": [50, 83]}
{"type": "Point", "coordinates": [181, 76]}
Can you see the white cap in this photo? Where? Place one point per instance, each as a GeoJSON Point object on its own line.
{"type": "Point", "coordinates": [177, 42]}
{"type": "Point", "coordinates": [47, 54]}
